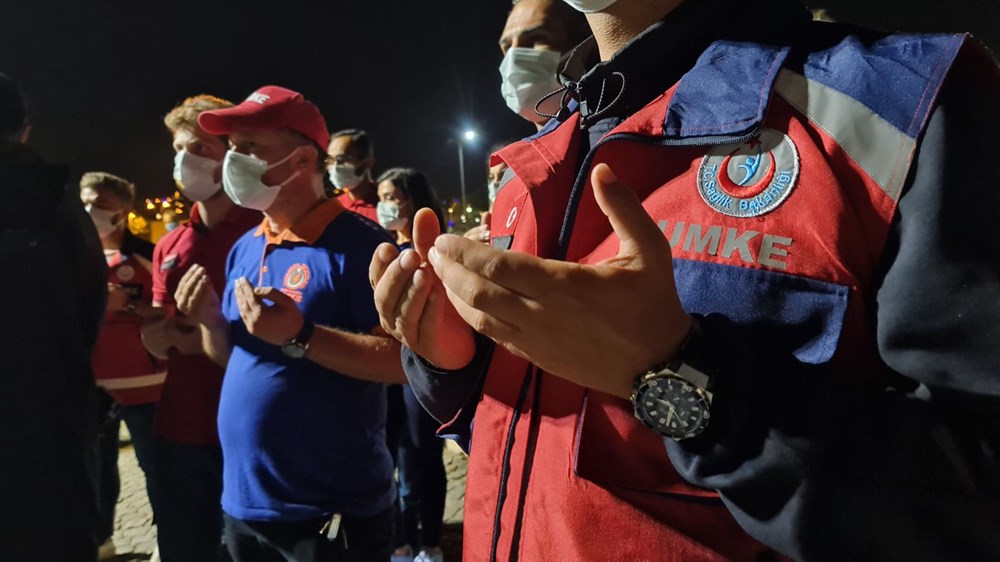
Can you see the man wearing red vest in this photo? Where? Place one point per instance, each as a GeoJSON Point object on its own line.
{"type": "Point", "coordinates": [130, 378]}
{"type": "Point", "coordinates": [743, 287]}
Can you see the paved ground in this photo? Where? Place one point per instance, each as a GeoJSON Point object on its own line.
{"type": "Point", "coordinates": [135, 534]}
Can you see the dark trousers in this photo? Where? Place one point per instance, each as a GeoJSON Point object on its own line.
{"type": "Point", "coordinates": [359, 539]}
{"type": "Point", "coordinates": [189, 484]}
{"type": "Point", "coordinates": [422, 480]}
{"type": "Point", "coordinates": [48, 450]}
{"type": "Point", "coordinates": [395, 426]}
{"type": "Point", "coordinates": [139, 420]}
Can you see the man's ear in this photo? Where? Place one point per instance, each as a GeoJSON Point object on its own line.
{"type": "Point", "coordinates": [25, 133]}
{"type": "Point", "coordinates": [369, 164]}
{"type": "Point", "coordinates": [306, 159]}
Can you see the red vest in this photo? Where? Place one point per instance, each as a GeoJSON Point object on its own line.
{"type": "Point", "coordinates": [801, 206]}
{"type": "Point", "coordinates": [122, 366]}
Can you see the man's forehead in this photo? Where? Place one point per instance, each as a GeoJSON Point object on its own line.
{"type": "Point", "coordinates": [256, 134]}
{"type": "Point", "coordinates": [186, 135]}
{"type": "Point", "coordinates": [527, 15]}
{"type": "Point", "coordinates": [342, 145]}
{"type": "Point", "coordinates": [101, 197]}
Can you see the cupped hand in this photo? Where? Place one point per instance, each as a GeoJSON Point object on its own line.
{"type": "Point", "coordinates": [196, 297]}
{"type": "Point", "coordinates": [411, 301]}
{"type": "Point", "coordinates": [597, 325]}
{"type": "Point", "coordinates": [277, 323]}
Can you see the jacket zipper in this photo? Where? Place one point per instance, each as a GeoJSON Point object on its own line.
{"type": "Point", "coordinates": [505, 466]}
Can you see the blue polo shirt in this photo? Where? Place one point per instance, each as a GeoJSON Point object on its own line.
{"type": "Point", "coordinates": [300, 441]}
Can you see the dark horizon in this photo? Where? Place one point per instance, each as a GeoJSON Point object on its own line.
{"type": "Point", "coordinates": [99, 78]}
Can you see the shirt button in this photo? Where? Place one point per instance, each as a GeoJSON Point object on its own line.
{"type": "Point", "coordinates": [263, 269]}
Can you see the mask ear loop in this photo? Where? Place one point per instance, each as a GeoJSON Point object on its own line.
{"type": "Point", "coordinates": [599, 111]}
{"type": "Point", "coordinates": [563, 102]}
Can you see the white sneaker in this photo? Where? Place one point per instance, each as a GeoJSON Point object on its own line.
{"type": "Point", "coordinates": [402, 554]}
{"type": "Point", "coordinates": [106, 551]}
{"type": "Point", "coordinates": [425, 557]}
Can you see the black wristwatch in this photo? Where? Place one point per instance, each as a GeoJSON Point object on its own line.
{"type": "Point", "coordinates": [675, 398]}
{"type": "Point", "coordinates": [297, 347]}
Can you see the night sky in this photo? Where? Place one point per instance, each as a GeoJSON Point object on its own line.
{"type": "Point", "coordinates": [99, 75]}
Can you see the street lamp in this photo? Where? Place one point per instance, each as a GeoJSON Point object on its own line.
{"type": "Point", "coordinates": [468, 136]}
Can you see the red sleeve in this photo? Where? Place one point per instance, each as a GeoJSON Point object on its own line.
{"type": "Point", "coordinates": [161, 297]}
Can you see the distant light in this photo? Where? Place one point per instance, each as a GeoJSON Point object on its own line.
{"type": "Point", "coordinates": [470, 135]}
{"type": "Point", "coordinates": [468, 209]}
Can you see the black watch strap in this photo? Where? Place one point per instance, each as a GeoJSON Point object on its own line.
{"type": "Point", "coordinates": [304, 335]}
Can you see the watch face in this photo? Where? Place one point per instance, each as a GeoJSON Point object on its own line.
{"type": "Point", "coordinates": [672, 406]}
{"type": "Point", "coordinates": [294, 350]}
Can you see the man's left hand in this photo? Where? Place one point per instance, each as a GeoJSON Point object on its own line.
{"type": "Point", "coordinates": [596, 325]}
{"type": "Point", "coordinates": [275, 324]}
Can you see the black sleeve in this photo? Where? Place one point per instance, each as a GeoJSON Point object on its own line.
{"type": "Point", "coordinates": [450, 397]}
{"type": "Point", "coordinates": [819, 471]}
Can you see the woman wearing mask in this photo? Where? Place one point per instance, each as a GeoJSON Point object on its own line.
{"type": "Point", "coordinates": [422, 482]}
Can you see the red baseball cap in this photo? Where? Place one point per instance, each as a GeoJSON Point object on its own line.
{"type": "Point", "coordinates": [270, 107]}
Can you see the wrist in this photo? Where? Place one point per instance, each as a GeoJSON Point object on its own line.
{"type": "Point", "coordinates": [298, 346]}
{"type": "Point", "coordinates": [674, 397]}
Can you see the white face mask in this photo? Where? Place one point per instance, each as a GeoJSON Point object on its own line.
{"type": "Point", "coordinates": [388, 215]}
{"type": "Point", "coordinates": [195, 176]}
{"type": "Point", "coordinates": [345, 176]}
{"type": "Point", "coordinates": [589, 6]}
{"type": "Point", "coordinates": [104, 220]}
{"type": "Point", "coordinates": [242, 179]}
{"type": "Point", "coordinates": [528, 75]}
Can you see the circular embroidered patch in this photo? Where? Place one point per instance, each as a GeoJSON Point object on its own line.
{"type": "Point", "coordinates": [752, 178]}
{"type": "Point", "coordinates": [297, 277]}
{"type": "Point", "coordinates": [125, 273]}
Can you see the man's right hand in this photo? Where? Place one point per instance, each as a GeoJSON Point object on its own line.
{"type": "Point", "coordinates": [156, 336]}
{"type": "Point", "coordinates": [196, 298]}
{"type": "Point", "coordinates": [161, 333]}
{"type": "Point", "coordinates": [481, 233]}
{"type": "Point", "coordinates": [412, 304]}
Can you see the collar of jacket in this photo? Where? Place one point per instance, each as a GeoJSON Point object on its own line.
{"type": "Point", "coordinates": [723, 55]}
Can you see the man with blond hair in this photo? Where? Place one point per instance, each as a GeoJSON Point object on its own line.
{"type": "Point", "coordinates": [189, 522]}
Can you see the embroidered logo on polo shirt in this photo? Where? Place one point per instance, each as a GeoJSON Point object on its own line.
{"type": "Point", "coordinates": [296, 280]}
{"type": "Point", "coordinates": [750, 179]}
{"type": "Point", "coordinates": [125, 273]}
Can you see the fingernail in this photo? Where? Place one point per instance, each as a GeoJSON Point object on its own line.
{"type": "Point", "coordinates": [609, 175]}
{"type": "Point", "coordinates": [409, 260]}
{"type": "Point", "coordinates": [432, 255]}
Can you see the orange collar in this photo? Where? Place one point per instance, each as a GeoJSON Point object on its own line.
{"type": "Point", "coordinates": [307, 229]}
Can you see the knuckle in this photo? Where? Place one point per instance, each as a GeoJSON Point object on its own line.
{"type": "Point", "coordinates": [481, 323]}
{"type": "Point", "coordinates": [493, 267]}
{"type": "Point", "coordinates": [479, 297]}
